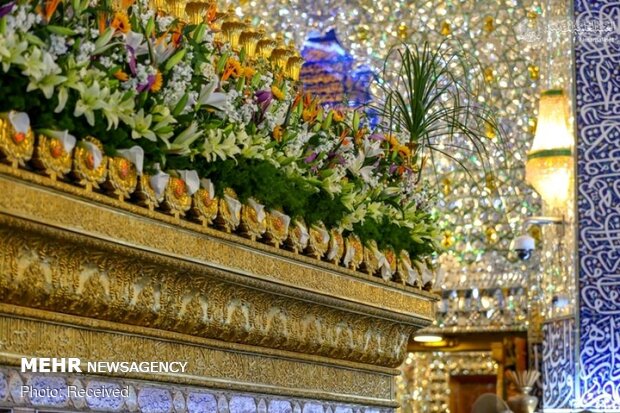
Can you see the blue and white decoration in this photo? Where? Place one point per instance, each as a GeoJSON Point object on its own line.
{"type": "Point", "coordinates": [597, 61]}
{"type": "Point", "coordinates": [558, 366]}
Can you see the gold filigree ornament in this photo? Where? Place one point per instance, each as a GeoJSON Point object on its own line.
{"type": "Point", "coordinates": [89, 163]}
{"type": "Point", "coordinates": [371, 258]}
{"type": "Point", "coordinates": [122, 178]}
{"type": "Point", "coordinates": [277, 228]}
{"type": "Point", "coordinates": [336, 246]}
{"type": "Point", "coordinates": [293, 66]}
{"type": "Point", "coordinates": [253, 220]}
{"type": "Point", "coordinates": [51, 157]}
{"type": "Point", "coordinates": [16, 138]}
{"type": "Point", "coordinates": [205, 204]}
{"type": "Point", "coordinates": [354, 252]}
{"type": "Point", "coordinates": [318, 243]}
{"type": "Point", "coordinates": [177, 200]}
{"type": "Point", "coordinates": [229, 214]}
{"type": "Point", "coordinates": [298, 236]}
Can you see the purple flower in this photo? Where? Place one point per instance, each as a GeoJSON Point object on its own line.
{"type": "Point", "coordinates": [132, 60]}
{"type": "Point", "coordinates": [6, 9]}
{"type": "Point", "coordinates": [264, 98]}
{"type": "Point", "coordinates": [310, 158]}
{"type": "Point", "coordinates": [393, 168]}
{"type": "Point", "coordinates": [146, 86]}
{"type": "Point", "coordinates": [376, 137]}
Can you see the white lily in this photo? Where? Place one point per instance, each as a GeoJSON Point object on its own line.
{"type": "Point", "coordinates": [135, 41]}
{"type": "Point", "coordinates": [372, 149]}
{"type": "Point", "coordinates": [20, 121]}
{"type": "Point", "coordinates": [357, 167]}
{"type": "Point", "coordinates": [191, 180]}
{"type": "Point", "coordinates": [94, 151]}
{"type": "Point", "coordinates": [68, 141]}
{"type": "Point", "coordinates": [118, 108]}
{"type": "Point", "coordinates": [91, 98]}
{"type": "Point", "coordinates": [135, 155]}
{"type": "Point", "coordinates": [159, 181]}
{"type": "Point", "coordinates": [12, 50]}
{"type": "Point", "coordinates": [181, 143]}
{"type": "Point", "coordinates": [216, 145]}
{"type": "Point", "coordinates": [208, 96]}
{"type": "Point", "coordinates": [141, 127]}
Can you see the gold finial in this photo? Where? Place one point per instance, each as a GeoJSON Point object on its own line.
{"type": "Point", "coordinates": [281, 53]}
{"type": "Point", "coordinates": [197, 11]}
{"type": "Point", "coordinates": [249, 39]}
{"type": "Point", "coordinates": [265, 46]}
{"type": "Point", "coordinates": [293, 66]}
{"type": "Point", "coordinates": [232, 28]}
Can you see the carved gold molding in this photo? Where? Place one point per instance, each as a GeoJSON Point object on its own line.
{"type": "Point", "coordinates": [102, 217]}
{"type": "Point", "coordinates": [28, 332]}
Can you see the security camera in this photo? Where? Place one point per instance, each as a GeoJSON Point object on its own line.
{"type": "Point", "coordinates": [523, 246]}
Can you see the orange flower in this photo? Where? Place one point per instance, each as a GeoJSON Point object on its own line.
{"type": "Point", "coordinates": [101, 21]}
{"type": "Point", "coordinates": [121, 22]}
{"type": "Point", "coordinates": [50, 8]}
{"type": "Point", "coordinates": [127, 4]}
{"type": "Point", "coordinates": [122, 76]}
{"type": "Point", "coordinates": [277, 133]}
{"type": "Point", "coordinates": [211, 13]}
{"type": "Point", "coordinates": [232, 68]}
{"type": "Point", "coordinates": [277, 93]}
{"type": "Point", "coordinates": [158, 82]}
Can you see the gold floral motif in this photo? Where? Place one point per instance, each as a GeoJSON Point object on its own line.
{"type": "Point", "coordinates": [252, 225]}
{"type": "Point", "coordinates": [122, 178]}
{"type": "Point", "coordinates": [353, 251]}
{"type": "Point", "coordinates": [177, 200]}
{"type": "Point", "coordinates": [277, 228]}
{"type": "Point", "coordinates": [15, 148]}
{"type": "Point", "coordinates": [84, 170]}
{"type": "Point", "coordinates": [145, 194]}
{"type": "Point", "coordinates": [51, 158]}
{"type": "Point", "coordinates": [205, 207]}
{"type": "Point", "coordinates": [318, 241]}
{"type": "Point", "coordinates": [392, 261]}
{"type": "Point", "coordinates": [370, 264]}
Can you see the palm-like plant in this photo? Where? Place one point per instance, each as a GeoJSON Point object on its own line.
{"type": "Point", "coordinates": [427, 102]}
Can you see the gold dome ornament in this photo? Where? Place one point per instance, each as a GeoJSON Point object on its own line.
{"type": "Point", "coordinates": [122, 178]}
{"type": "Point", "coordinates": [16, 138]}
{"type": "Point", "coordinates": [446, 29]}
{"type": "Point", "coordinates": [232, 27]}
{"type": "Point", "coordinates": [489, 24]}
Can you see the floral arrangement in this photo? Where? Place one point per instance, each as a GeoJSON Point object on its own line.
{"type": "Point", "coordinates": [176, 99]}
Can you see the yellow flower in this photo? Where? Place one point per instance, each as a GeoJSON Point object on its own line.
{"type": "Point", "coordinates": [277, 93]}
{"type": "Point", "coordinates": [249, 71]}
{"type": "Point", "coordinates": [122, 76]}
{"type": "Point", "coordinates": [158, 82]}
{"type": "Point", "coordinates": [121, 22]}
